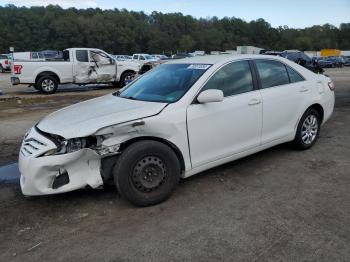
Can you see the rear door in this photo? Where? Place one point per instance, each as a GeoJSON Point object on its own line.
{"type": "Point", "coordinates": [285, 95]}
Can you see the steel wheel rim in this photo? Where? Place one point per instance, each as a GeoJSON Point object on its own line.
{"type": "Point", "coordinates": [309, 129]}
{"type": "Point", "coordinates": [149, 174]}
{"type": "Point", "coordinates": [48, 85]}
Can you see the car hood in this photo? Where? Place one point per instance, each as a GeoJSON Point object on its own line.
{"type": "Point", "coordinates": [85, 118]}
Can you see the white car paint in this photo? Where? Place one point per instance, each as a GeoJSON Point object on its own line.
{"type": "Point", "coordinates": [206, 135]}
{"type": "Point", "coordinates": [105, 70]}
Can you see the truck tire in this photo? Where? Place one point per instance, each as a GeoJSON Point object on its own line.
{"type": "Point", "coordinates": [146, 173]}
{"type": "Point", "coordinates": [126, 77]}
{"type": "Point", "coordinates": [47, 84]}
{"type": "Point", "coordinates": [2, 70]}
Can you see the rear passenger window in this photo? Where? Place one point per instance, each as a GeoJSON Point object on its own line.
{"type": "Point", "coordinates": [82, 55]}
{"type": "Point", "coordinates": [232, 79]}
{"type": "Point", "coordinates": [294, 76]}
{"type": "Point", "coordinates": [272, 73]}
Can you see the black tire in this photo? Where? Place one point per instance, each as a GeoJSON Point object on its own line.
{"type": "Point", "coordinates": [2, 70]}
{"type": "Point", "coordinates": [125, 76]}
{"type": "Point", "coordinates": [43, 83]}
{"type": "Point", "coordinates": [299, 142]}
{"type": "Point", "coordinates": [138, 164]}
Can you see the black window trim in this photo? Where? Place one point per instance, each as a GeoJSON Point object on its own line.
{"type": "Point", "coordinates": [287, 66]}
{"type": "Point", "coordinates": [274, 60]}
{"type": "Point", "coordinates": [252, 71]}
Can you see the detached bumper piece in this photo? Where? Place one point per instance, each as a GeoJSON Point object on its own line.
{"type": "Point", "coordinates": [15, 80]}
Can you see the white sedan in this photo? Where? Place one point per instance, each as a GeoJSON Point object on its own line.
{"type": "Point", "coordinates": [177, 120]}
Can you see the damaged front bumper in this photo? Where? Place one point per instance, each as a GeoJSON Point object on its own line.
{"type": "Point", "coordinates": [44, 175]}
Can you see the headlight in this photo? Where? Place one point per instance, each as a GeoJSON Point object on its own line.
{"type": "Point", "coordinates": [67, 146]}
{"type": "Point", "coordinates": [75, 144]}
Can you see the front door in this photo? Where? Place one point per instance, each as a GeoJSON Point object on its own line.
{"type": "Point", "coordinates": [222, 129]}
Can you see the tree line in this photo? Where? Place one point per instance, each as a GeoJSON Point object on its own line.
{"type": "Point", "coordinates": [126, 32]}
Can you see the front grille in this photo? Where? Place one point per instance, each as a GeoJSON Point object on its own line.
{"type": "Point", "coordinates": [31, 146]}
{"type": "Point", "coordinates": [36, 144]}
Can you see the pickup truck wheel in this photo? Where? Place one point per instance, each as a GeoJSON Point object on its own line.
{"type": "Point", "coordinates": [126, 78]}
{"type": "Point", "coordinates": [47, 84]}
{"type": "Point", "coordinates": [2, 70]}
{"type": "Point", "coordinates": [146, 173]}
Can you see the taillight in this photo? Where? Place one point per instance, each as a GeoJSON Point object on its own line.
{"type": "Point", "coordinates": [17, 69]}
{"type": "Point", "coordinates": [331, 85]}
{"type": "Point", "coordinates": [6, 62]}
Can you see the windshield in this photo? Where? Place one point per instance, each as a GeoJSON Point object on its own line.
{"type": "Point", "coordinates": [166, 83]}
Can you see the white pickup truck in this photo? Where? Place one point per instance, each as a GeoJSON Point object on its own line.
{"type": "Point", "coordinates": [79, 66]}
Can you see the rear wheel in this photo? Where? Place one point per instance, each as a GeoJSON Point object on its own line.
{"type": "Point", "coordinates": [2, 70]}
{"type": "Point", "coordinates": [308, 130]}
{"type": "Point", "coordinates": [47, 84]}
{"type": "Point", "coordinates": [147, 173]}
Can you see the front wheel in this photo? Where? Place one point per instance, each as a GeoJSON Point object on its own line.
{"type": "Point", "coordinates": [146, 173]}
{"type": "Point", "coordinates": [308, 130]}
{"type": "Point", "coordinates": [126, 78]}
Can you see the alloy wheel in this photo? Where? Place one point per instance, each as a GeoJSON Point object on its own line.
{"type": "Point", "coordinates": [309, 129]}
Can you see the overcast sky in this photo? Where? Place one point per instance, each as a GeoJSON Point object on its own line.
{"type": "Point", "coordinates": [295, 13]}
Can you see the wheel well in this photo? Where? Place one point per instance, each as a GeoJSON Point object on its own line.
{"type": "Point", "coordinates": [319, 109]}
{"type": "Point", "coordinates": [127, 71]}
{"type": "Point", "coordinates": [47, 73]}
{"type": "Point", "coordinates": [161, 140]}
{"type": "Point", "coordinates": [108, 163]}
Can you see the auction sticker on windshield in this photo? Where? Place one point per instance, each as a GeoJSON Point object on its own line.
{"type": "Point", "coordinates": [199, 66]}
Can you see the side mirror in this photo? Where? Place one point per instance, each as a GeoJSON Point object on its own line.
{"type": "Point", "coordinates": [112, 61]}
{"type": "Point", "coordinates": [210, 96]}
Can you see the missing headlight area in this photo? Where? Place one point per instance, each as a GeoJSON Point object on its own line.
{"type": "Point", "coordinates": [64, 146]}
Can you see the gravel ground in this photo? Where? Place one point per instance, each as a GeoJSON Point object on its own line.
{"type": "Point", "coordinates": [277, 205]}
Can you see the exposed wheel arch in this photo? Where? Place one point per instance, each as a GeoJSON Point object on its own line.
{"type": "Point", "coordinates": [108, 162]}
{"type": "Point", "coordinates": [164, 141]}
{"type": "Point", "coordinates": [319, 109]}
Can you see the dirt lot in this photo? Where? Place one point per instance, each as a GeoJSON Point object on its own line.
{"type": "Point", "coordinates": [277, 205]}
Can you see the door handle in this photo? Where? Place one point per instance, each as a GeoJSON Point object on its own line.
{"type": "Point", "coordinates": [254, 102]}
{"type": "Point", "coordinates": [303, 89]}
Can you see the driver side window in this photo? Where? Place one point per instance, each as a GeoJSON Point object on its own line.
{"type": "Point", "coordinates": [232, 79]}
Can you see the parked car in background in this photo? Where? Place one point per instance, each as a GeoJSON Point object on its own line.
{"type": "Point", "coordinates": [143, 58]}
{"type": "Point", "coordinates": [5, 63]}
{"type": "Point", "coordinates": [28, 56]}
{"type": "Point", "coordinates": [181, 55]}
{"type": "Point", "coordinates": [122, 57]}
{"type": "Point", "coordinates": [271, 52]}
{"type": "Point", "coordinates": [52, 54]}
{"type": "Point", "coordinates": [323, 62]}
{"type": "Point", "coordinates": [337, 61]}
{"type": "Point", "coordinates": [179, 119]}
{"type": "Point", "coordinates": [347, 60]}
{"type": "Point", "coordinates": [160, 57]}
{"type": "Point", "coordinates": [303, 60]}
{"type": "Point", "coordinates": [79, 66]}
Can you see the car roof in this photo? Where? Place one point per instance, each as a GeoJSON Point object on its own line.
{"type": "Point", "coordinates": [221, 59]}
